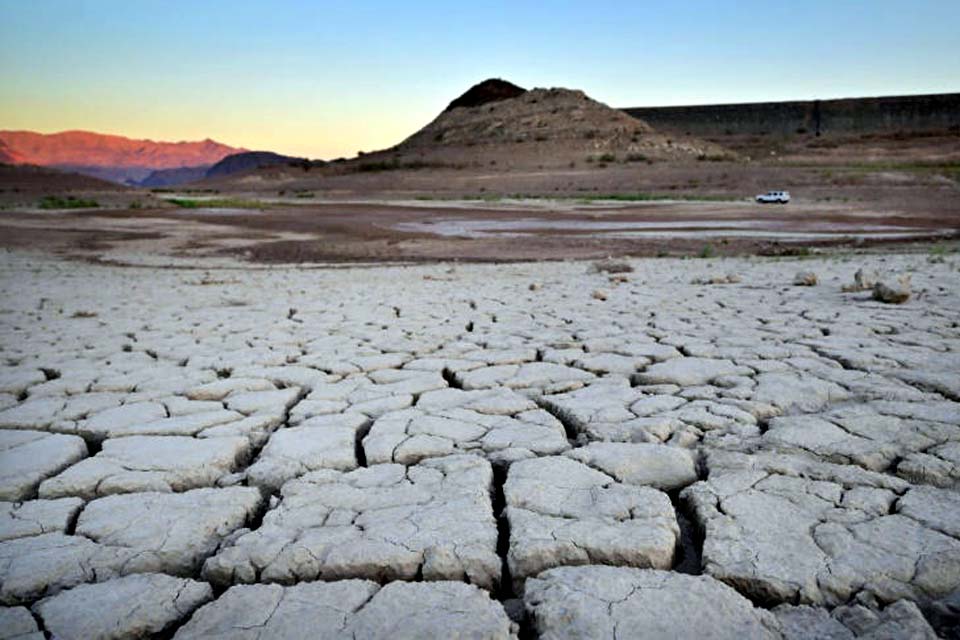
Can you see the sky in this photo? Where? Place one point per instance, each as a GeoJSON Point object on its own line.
{"type": "Point", "coordinates": [328, 79]}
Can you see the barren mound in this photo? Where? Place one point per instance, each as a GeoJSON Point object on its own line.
{"type": "Point", "coordinates": [541, 127]}
{"type": "Point", "coordinates": [240, 162]}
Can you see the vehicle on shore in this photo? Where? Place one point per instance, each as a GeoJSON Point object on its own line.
{"type": "Point", "coordinates": [774, 197]}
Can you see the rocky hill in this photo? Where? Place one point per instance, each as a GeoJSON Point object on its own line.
{"type": "Point", "coordinates": [496, 122]}
{"type": "Point", "coordinates": [174, 177]}
{"type": "Point", "coordinates": [246, 161]}
{"type": "Point", "coordinates": [235, 163]}
{"type": "Point", "coordinates": [108, 157]}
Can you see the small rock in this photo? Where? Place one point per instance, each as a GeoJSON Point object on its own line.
{"type": "Point", "coordinates": [805, 279]}
{"type": "Point", "coordinates": [893, 293]}
{"type": "Point", "coordinates": [863, 280]}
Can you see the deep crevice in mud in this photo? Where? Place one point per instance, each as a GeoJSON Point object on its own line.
{"type": "Point", "coordinates": [945, 619]}
{"type": "Point", "coordinates": [94, 443]}
{"type": "Point", "coordinates": [39, 621]}
{"type": "Point", "coordinates": [505, 594]}
{"type": "Point", "coordinates": [359, 451]}
{"type": "Point", "coordinates": [71, 526]}
{"type": "Point", "coordinates": [763, 424]}
{"type": "Point", "coordinates": [255, 519]}
{"type": "Point", "coordinates": [256, 449]}
{"type": "Point", "coordinates": [689, 557]}
{"type": "Point", "coordinates": [504, 590]}
{"type": "Point", "coordinates": [451, 379]}
{"type": "Point", "coordinates": [573, 435]}
{"type": "Point", "coordinates": [169, 631]}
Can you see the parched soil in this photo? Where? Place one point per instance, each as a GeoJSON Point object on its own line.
{"type": "Point", "coordinates": [501, 230]}
{"type": "Point", "coordinates": [488, 451]}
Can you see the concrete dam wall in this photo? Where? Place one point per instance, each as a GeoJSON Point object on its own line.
{"type": "Point", "coordinates": [936, 112]}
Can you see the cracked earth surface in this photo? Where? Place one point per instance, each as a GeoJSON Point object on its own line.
{"type": "Point", "coordinates": [482, 451]}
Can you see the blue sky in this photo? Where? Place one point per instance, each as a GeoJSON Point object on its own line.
{"type": "Point", "coordinates": [327, 79]}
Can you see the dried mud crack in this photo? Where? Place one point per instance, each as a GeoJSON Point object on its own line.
{"type": "Point", "coordinates": [429, 450]}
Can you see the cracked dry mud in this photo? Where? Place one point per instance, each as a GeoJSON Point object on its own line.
{"type": "Point", "coordinates": [241, 452]}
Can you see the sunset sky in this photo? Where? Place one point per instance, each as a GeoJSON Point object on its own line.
{"type": "Point", "coordinates": [329, 79]}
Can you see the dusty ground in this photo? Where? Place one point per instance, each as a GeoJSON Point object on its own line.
{"type": "Point", "coordinates": [288, 230]}
{"type": "Point", "coordinates": [236, 450]}
{"type": "Point", "coordinates": [863, 189]}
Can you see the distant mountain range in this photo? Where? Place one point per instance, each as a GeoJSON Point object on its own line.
{"type": "Point", "coordinates": [128, 161]}
{"type": "Point", "coordinates": [131, 162]}
{"type": "Point", "coordinates": [109, 157]}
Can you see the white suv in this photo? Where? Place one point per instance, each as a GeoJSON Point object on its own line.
{"type": "Point", "coordinates": [779, 197]}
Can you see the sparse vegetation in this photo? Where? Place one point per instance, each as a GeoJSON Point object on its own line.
{"type": "Point", "coordinates": [396, 165]}
{"type": "Point", "coordinates": [619, 197]}
{"type": "Point", "coordinates": [858, 170]}
{"type": "Point", "coordinates": [217, 203]}
{"type": "Point", "coordinates": [939, 252]}
{"type": "Point", "coordinates": [708, 251]}
{"type": "Point", "coordinates": [645, 197]}
{"type": "Point", "coordinates": [68, 202]}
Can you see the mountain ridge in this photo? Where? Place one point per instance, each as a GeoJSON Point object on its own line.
{"type": "Point", "coordinates": [108, 156]}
